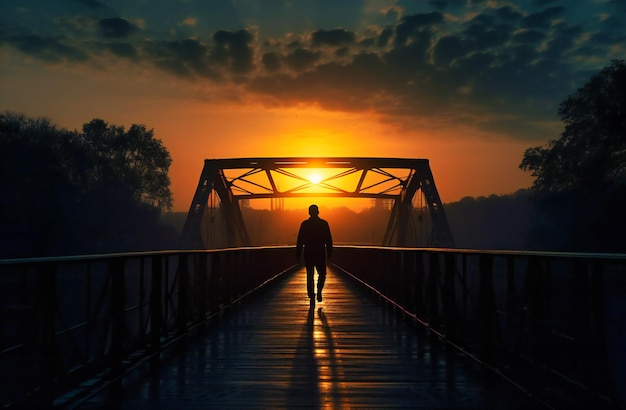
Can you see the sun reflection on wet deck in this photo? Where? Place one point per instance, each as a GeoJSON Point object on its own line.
{"type": "Point", "coordinates": [346, 352]}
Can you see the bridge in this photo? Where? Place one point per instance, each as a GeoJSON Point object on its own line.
{"type": "Point", "coordinates": [224, 183]}
{"type": "Point", "coordinates": [399, 327]}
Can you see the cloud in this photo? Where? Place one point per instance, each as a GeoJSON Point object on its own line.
{"type": "Point", "coordinates": [271, 61]}
{"type": "Point", "coordinates": [116, 28]}
{"type": "Point", "coordinates": [508, 13]}
{"type": "Point", "coordinates": [93, 4]}
{"type": "Point", "coordinates": [233, 49]}
{"type": "Point", "coordinates": [187, 58]}
{"type": "Point", "coordinates": [499, 68]}
{"type": "Point", "coordinates": [528, 36]}
{"type": "Point", "coordinates": [125, 50]}
{"type": "Point", "coordinates": [337, 37]}
{"type": "Point", "coordinates": [412, 27]}
{"type": "Point", "coordinates": [47, 49]}
{"type": "Point", "coordinates": [301, 59]}
{"type": "Point", "coordinates": [542, 19]}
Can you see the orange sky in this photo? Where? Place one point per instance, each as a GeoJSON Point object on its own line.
{"type": "Point", "coordinates": [461, 166]}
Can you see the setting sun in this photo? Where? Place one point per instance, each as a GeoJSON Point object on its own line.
{"type": "Point", "coordinates": [315, 178]}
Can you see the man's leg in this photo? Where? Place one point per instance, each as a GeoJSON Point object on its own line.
{"type": "Point", "coordinates": [321, 279]}
{"type": "Point", "coordinates": [310, 270]}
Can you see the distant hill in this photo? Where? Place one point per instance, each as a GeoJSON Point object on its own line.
{"type": "Point", "coordinates": [494, 222]}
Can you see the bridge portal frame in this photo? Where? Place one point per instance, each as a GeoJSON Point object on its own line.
{"type": "Point", "coordinates": [391, 184]}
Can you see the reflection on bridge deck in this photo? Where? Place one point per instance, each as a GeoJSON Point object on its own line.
{"type": "Point", "coordinates": [273, 351]}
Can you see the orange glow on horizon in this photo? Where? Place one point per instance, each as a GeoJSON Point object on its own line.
{"type": "Point", "coordinates": [462, 166]}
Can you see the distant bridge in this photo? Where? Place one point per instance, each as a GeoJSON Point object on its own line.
{"type": "Point", "coordinates": [229, 181]}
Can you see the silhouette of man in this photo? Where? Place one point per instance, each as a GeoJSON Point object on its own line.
{"type": "Point", "coordinates": [314, 236]}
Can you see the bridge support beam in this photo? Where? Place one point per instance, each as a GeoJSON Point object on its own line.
{"type": "Point", "coordinates": [212, 179]}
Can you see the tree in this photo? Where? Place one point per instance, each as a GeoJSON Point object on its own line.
{"type": "Point", "coordinates": [580, 183]}
{"type": "Point", "coordinates": [102, 190]}
{"type": "Point", "coordinates": [133, 164]}
{"type": "Point", "coordinates": [34, 162]}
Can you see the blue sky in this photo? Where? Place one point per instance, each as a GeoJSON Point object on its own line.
{"type": "Point", "coordinates": [438, 79]}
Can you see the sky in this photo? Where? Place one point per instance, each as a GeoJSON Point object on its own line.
{"type": "Point", "coordinates": [467, 84]}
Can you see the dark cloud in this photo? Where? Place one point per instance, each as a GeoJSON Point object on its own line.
{"type": "Point", "coordinates": [48, 49]}
{"type": "Point", "coordinates": [563, 40]}
{"type": "Point", "coordinates": [438, 4]}
{"type": "Point", "coordinates": [124, 50]}
{"type": "Point", "coordinates": [384, 37]}
{"type": "Point", "coordinates": [116, 28]}
{"type": "Point", "coordinates": [613, 22]}
{"type": "Point", "coordinates": [185, 58]}
{"type": "Point", "coordinates": [602, 39]}
{"type": "Point", "coordinates": [342, 52]}
{"type": "Point", "coordinates": [302, 59]}
{"type": "Point", "coordinates": [508, 13]}
{"type": "Point", "coordinates": [542, 19]}
{"type": "Point", "coordinates": [482, 33]}
{"type": "Point", "coordinates": [294, 45]}
{"type": "Point", "coordinates": [337, 37]}
{"type": "Point", "coordinates": [444, 4]}
{"type": "Point", "coordinates": [528, 36]}
{"type": "Point", "coordinates": [620, 4]}
{"type": "Point", "coordinates": [92, 4]}
{"type": "Point", "coordinates": [368, 42]}
{"type": "Point", "coordinates": [447, 49]}
{"type": "Point", "coordinates": [271, 61]}
{"type": "Point", "coordinates": [413, 27]}
{"type": "Point", "coordinates": [234, 50]}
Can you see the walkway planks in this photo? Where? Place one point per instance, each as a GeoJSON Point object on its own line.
{"type": "Point", "coordinates": [348, 352]}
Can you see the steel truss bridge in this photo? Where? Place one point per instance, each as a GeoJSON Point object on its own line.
{"type": "Point", "coordinates": [396, 180]}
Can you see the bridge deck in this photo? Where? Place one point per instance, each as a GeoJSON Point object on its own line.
{"type": "Point", "coordinates": [348, 352]}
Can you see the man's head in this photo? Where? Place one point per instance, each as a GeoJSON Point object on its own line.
{"type": "Point", "coordinates": [314, 210]}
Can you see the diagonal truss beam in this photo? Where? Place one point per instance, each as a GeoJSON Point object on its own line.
{"type": "Point", "coordinates": [396, 179]}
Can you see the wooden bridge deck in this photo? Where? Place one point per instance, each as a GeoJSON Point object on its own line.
{"type": "Point", "coordinates": [274, 351]}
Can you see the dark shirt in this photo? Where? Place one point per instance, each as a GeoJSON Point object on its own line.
{"type": "Point", "coordinates": [314, 236]}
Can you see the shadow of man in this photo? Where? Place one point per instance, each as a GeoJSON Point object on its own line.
{"type": "Point", "coordinates": [305, 377]}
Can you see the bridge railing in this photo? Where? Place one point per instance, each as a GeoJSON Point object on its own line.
{"type": "Point", "coordinates": [557, 316]}
{"type": "Point", "coordinates": [71, 319]}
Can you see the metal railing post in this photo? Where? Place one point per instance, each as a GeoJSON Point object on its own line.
{"type": "Point", "coordinates": [432, 286]}
{"type": "Point", "coordinates": [419, 284]}
{"type": "Point", "coordinates": [535, 300]}
{"type": "Point", "coordinates": [156, 322]}
{"type": "Point", "coordinates": [487, 318]}
{"type": "Point", "coordinates": [117, 305]}
{"type": "Point", "coordinates": [183, 294]}
{"type": "Point", "coordinates": [49, 354]}
{"type": "Point", "coordinates": [449, 293]}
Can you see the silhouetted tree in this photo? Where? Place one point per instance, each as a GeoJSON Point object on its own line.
{"type": "Point", "coordinates": [580, 183]}
{"type": "Point", "coordinates": [131, 163]}
{"type": "Point", "coordinates": [65, 192]}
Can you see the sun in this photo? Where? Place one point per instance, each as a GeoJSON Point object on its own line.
{"type": "Point", "coordinates": [315, 178]}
